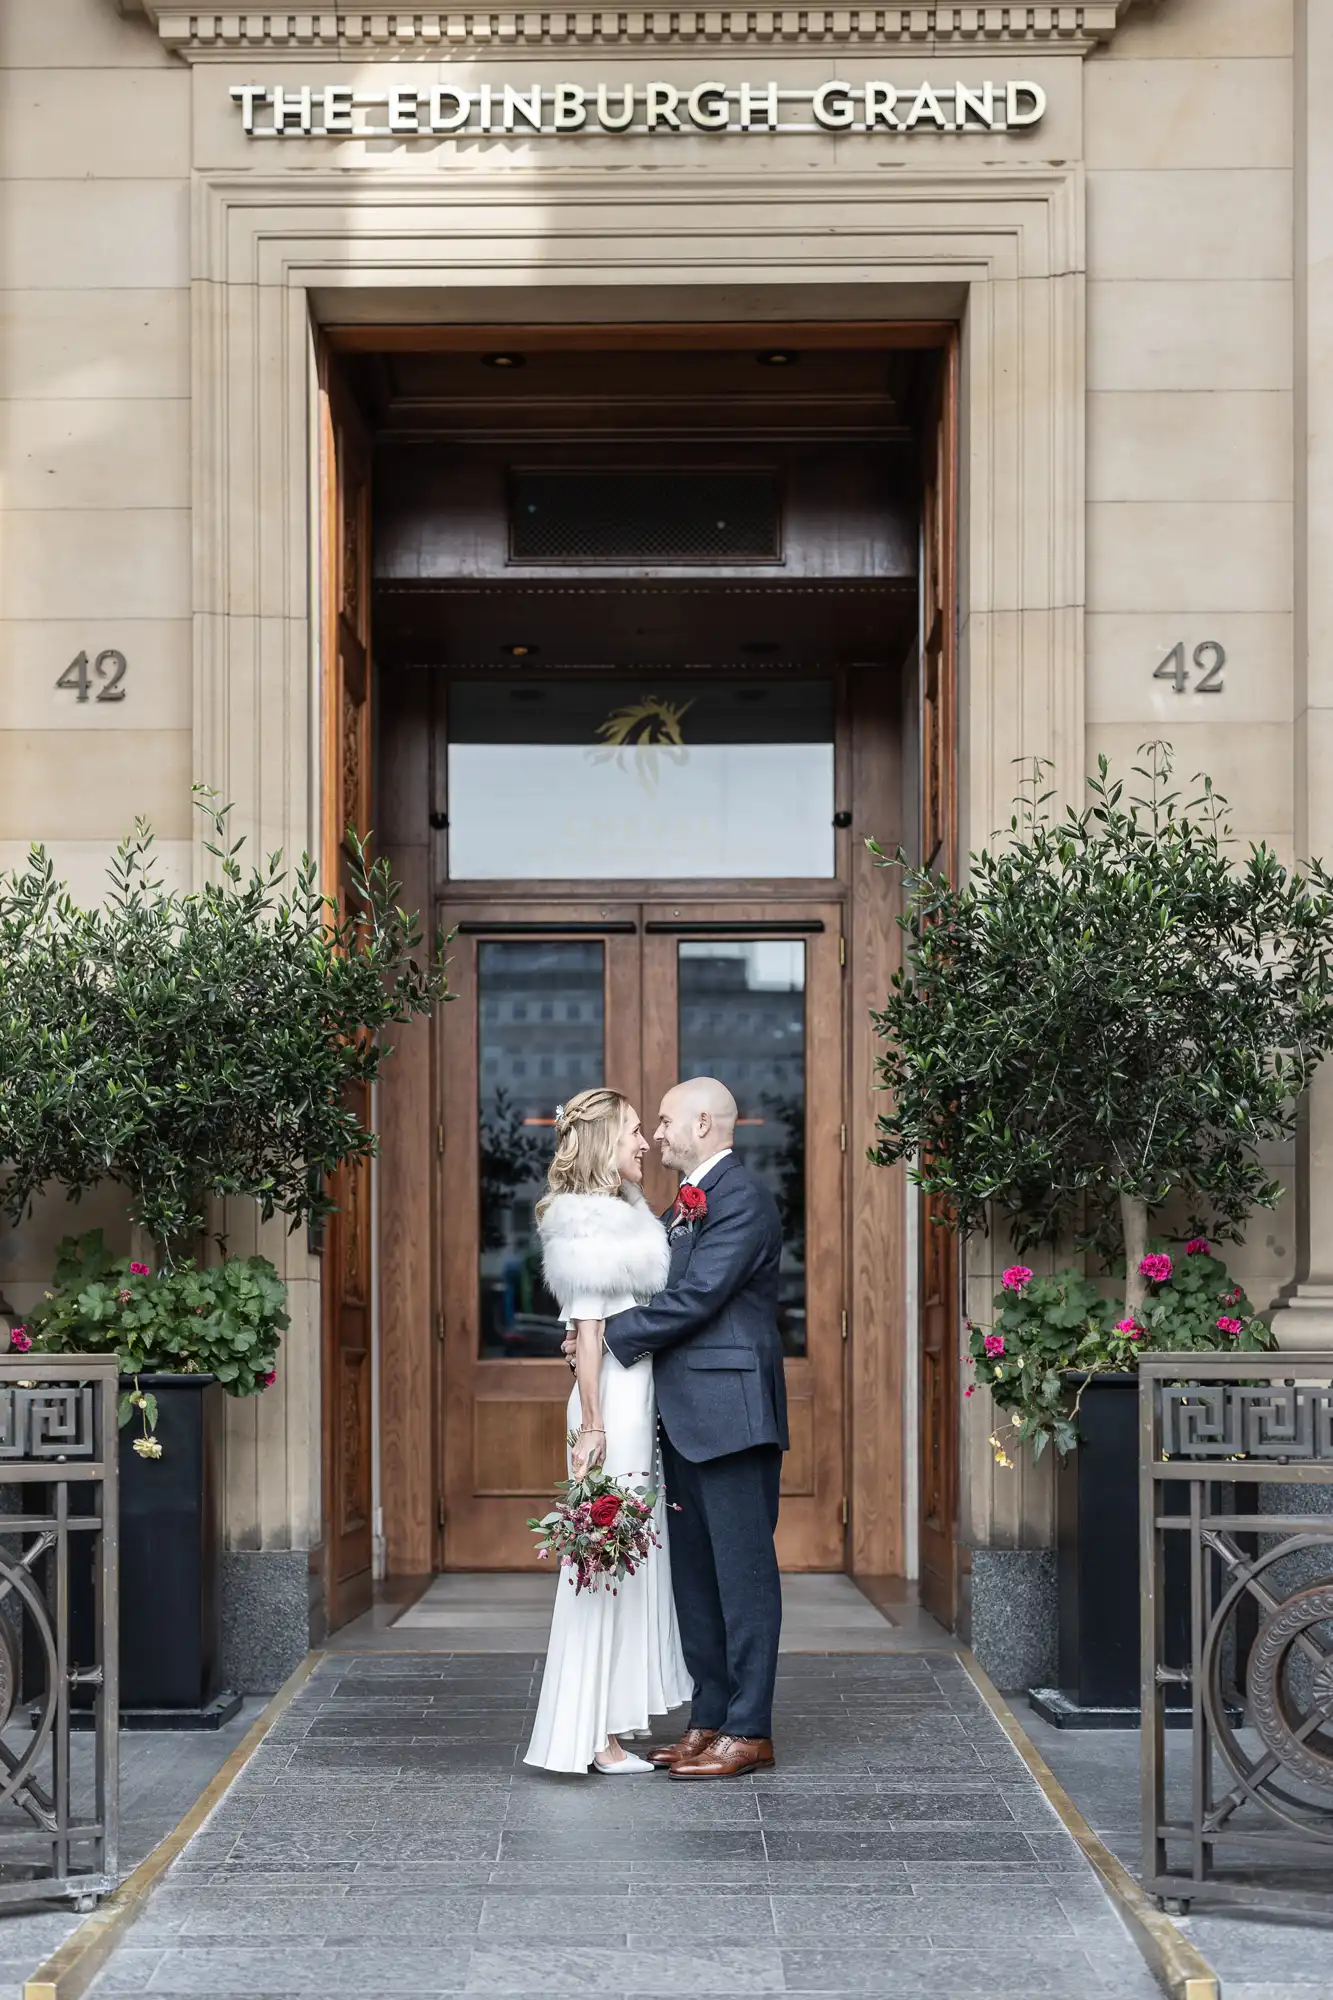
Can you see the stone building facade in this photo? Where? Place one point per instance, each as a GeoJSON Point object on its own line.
{"type": "Point", "coordinates": [1125, 208]}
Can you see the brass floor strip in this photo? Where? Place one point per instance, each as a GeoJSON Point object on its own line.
{"type": "Point", "coordinates": [1180, 1968]}
{"type": "Point", "coordinates": [72, 1968]}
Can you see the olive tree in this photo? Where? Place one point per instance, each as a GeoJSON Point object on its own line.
{"type": "Point", "coordinates": [1116, 1009]}
{"type": "Point", "coordinates": [203, 1044]}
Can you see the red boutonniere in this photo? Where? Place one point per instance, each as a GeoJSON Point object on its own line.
{"type": "Point", "coordinates": [691, 1205]}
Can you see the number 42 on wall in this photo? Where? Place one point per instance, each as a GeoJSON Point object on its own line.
{"type": "Point", "coordinates": [109, 668]}
{"type": "Point", "coordinates": [1209, 658]}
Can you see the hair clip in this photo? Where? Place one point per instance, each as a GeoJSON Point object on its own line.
{"type": "Point", "coordinates": [559, 1113]}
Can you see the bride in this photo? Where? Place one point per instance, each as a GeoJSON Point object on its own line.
{"type": "Point", "coordinates": [613, 1661]}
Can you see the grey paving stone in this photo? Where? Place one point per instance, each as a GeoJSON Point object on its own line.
{"type": "Point", "coordinates": [1068, 1975]}
{"type": "Point", "coordinates": [883, 1808]}
{"type": "Point", "coordinates": [906, 1844]}
{"type": "Point", "coordinates": [506, 1916]}
{"type": "Point", "coordinates": [310, 1969]}
{"type": "Point", "coordinates": [680, 1973]}
{"type": "Point", "coordinates": [707, 1845]}
{"type": "Point", "coordinates": [642, 1799]}
{"type": "Point", "coordinates": [365, 1914]}
{"type": "Point", "coordinates": [742, 1916]}
{"type": "Point", "coordinates": [317, 1846]}
{"type": "Point", "coordinates": [841, 1917]}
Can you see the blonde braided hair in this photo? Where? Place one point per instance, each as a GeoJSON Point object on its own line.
{"type": "Point", "coordinates": [587, 1133]}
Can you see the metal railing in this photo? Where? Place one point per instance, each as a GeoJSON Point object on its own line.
{"type": "Point", "coordinates": [1248, 1439]}
{"type": "Point", "coordinates": [58, 1534]}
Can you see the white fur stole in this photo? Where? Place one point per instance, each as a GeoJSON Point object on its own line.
{"type": "Point", "coordinates": [603, 1243]}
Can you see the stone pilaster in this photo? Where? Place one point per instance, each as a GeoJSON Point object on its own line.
{"type": "Point", "coordinates": [1305, 1317]}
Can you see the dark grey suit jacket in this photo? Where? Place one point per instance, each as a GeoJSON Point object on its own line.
{"type": "Point", "coordinates": [713, 1333]}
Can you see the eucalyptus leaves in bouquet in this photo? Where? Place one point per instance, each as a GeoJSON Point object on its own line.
{"type": "Point", "coordinates": [197, 1045]}
{"type": "Point", "coordinates": [1114, 1011]}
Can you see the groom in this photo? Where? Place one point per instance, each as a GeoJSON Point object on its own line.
{"type": "Point", "coordinates": [722, 1405]}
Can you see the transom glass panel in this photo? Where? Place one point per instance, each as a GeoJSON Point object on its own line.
{"type": "Point", "coordinates": [619, 779]}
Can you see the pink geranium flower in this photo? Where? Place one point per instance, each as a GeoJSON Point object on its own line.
{"type": "Point", "coordinates": [270, 1378]}
{"type": "Point", "coordinates": [1157, 1266]}
{"type": "Point", "coordinates": [1015, 1277]}
{"type": "Point", "coordinates": [140, 1271]}
{"type": "Point", "coordinates": [970, 1387]}
{"type": "Point", "coordinates": [20, 1338]}
{"type": "Point", "coordinates": [1130, 1328]}
{"type": "Point", "coordinates": [1197, 1247]}
{"type": "Point", "coordinates": [1231, 1326]}
{"type": "Point", "coordinates": [994, 1344]}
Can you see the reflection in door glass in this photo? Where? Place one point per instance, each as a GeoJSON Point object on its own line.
{"type": "Point", "coordinates": [539, 1039]}
{"type": "Point", "coordinates": [742, 1018]}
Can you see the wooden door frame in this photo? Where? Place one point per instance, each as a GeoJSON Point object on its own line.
{"type": "Point", "coordinates": [939, 1264]}
{"type": "Point", "coordinates": [346, 1430]}
{"type": "Point", "coordinates": [881, 1347]}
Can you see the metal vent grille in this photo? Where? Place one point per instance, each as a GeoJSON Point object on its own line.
{"type": "Point", "coordinates": [644, 517]}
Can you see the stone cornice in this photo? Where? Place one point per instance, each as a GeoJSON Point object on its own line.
{"type": "Point", "coordinates": [207, 33]}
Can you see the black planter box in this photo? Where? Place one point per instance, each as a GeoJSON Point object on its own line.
{"type": "Point", "coordinates": [170, 1558]}
{"type": "Point", "coordinates": [1097, 1568]}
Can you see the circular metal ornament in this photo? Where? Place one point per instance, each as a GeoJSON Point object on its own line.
{"type": "Point", "coordinates": [8, 1678]}
{"type": "Point", "coordinates": [1286, 1726]}
{"type": "Point", "coordinates": [1275, 1708]}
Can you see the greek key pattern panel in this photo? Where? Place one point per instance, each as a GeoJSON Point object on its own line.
{"type": "Point", "coordinates": [1231, 1420]}
{"type": "Point", "coordinates": [938, 29]}
{"type": "Point", "coordinates": [49, 1423]}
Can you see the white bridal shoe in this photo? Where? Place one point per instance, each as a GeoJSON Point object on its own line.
{"type": "Point", "coordinates": [624, 1767]}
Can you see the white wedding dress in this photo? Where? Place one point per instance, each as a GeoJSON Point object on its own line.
{"type": "Point", "coordinates": [613, 1662]}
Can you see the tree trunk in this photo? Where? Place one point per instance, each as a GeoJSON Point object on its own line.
{"type": "Point", "coordinates": [143, 1249]}
{"type": "Point", "coordinates": [1134, 1222]}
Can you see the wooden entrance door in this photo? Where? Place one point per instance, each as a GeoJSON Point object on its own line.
{"type": "Point", "coordinates": [555, 998]}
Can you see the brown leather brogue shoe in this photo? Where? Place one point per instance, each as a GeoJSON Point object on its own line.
{"type": "Point", "coordinates": [691, 1744]}
{"type": "Point", "coordinates": [726, 1757]}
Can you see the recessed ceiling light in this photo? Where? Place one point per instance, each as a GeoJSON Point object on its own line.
{"type": "Point", "coordinates": [520, 652]}
{"type": "Point", "coordinates": [777, 357]}
{"type": "Point", "coordinates": [505, 360]}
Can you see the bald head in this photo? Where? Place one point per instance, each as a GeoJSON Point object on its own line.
{"type": "Point", "coordinates": [697, 1119]}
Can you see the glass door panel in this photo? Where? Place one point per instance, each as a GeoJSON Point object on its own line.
{"type": "Point", "coordinates": [541, 1021]}
{"type": "Point", "coordinates": [753, 996]}
{"type": "Point", "coordinates": [741, 1005]}
{"type": "Point", "coordinates": [547, 1004]}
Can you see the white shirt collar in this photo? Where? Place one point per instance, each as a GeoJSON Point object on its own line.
{"type": "Point", "coordinates": [693, 1180]}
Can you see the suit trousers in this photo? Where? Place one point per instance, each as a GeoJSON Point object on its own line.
{"type": "Point", "coordinates": [724, 1573]}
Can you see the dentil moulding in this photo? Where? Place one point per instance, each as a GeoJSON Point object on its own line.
{"type": "Point", "coordinates": [199, 33]}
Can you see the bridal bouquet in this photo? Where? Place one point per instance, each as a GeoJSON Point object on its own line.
{"type": "Point", "coordinates": [600, 1530]}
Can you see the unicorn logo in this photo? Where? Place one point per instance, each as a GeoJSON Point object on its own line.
{"type": "Point", "coordinates": [651, 729]}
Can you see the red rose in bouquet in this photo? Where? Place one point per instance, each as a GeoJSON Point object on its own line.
{"type": "Point", "coordinates": [600, 1530]}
